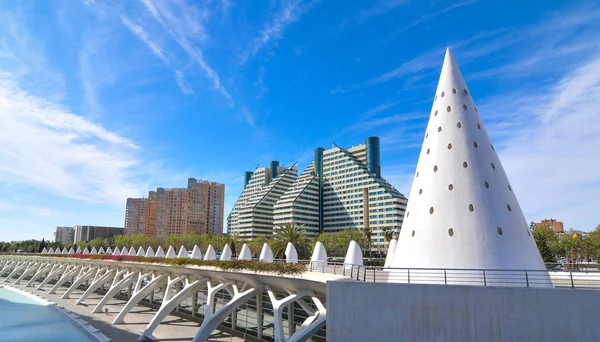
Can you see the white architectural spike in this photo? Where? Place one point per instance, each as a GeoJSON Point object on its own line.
{"type": "Point", "coordinates": [101, 251]}
{"type": "Point", "coordinates": [51, 250]}
{"type": "Point", "coordinates": [117, 251]}
{"type": "Point", "coordinates": [94, 251]}
{"type": "Point", "coordinates": [462, 211]}
{"type": "Point", "coordinates": [182, 252]}
{"type": "Point", "coordinates": [266, 254]}
{"type": "Point", "coordinates": [160, 253]}
{"type": "Point", "coordinates": [132, 251]}
{"type": "Point", "coordinates": [149, 252]}
{"type": "Point", "coordinates": [211, 254]}
{"type": "Point", "coordinates": [318, 260]}
{"type": "Point", "coordinates": [71, 250]}
{"type": "Point", "coordinates": [226, 254]}
{"type": "Point", "coordinates": [65, 251]}
{"type": "Point", "coordinates": [354, 256]}
{"type": "Point", "coordinates": [171, 253]}
{"type": "Point", "coordinates": [245, 253]}
{"type": "Point", "coordinates": [86, 251]}
{"type": "Point", "coordinates": [140, 252]}
{"type": "Point", "coordinates": [390, 253]}
{"type": "Point", "coordinates": [78, 251]}
{"type": "Point", "coordinates": [44, 251]}
{"type": "Point", "coordinates": [124, 251]}
{"type": "Point", "coordinates": [109, 251]}
{"type": "Point", "coordinates": [196, 253]}
{"type": "Point", "coordinates": [291, 255]}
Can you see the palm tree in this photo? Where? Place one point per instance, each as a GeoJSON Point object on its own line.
{"type": "Point", "coordinates": [367, 234]}
{"type": "Point", "coordinates": [290, 232]}
{"type": "Point", "coordinates": [388, 234]}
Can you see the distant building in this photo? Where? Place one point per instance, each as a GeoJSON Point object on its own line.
{"type": "Point", "coordinates": [196, 209]}
{"type": "Point", "coordinates": [64, 234]}
{"type": "Point", "coordinates": [556, 226]}
{"type": "Point", "coordinates": [329, 196]}
{"type": "Point", "coordinates": [88, 233]}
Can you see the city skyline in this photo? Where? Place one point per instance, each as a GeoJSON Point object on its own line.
{"type": "Point", "coordinates": [132, 98]}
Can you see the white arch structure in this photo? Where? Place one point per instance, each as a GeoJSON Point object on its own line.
{"type": "Point", "coordinates": [216, 295]}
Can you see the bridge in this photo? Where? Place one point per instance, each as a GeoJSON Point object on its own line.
{"type": "Point", "coordinates": [259, 306]}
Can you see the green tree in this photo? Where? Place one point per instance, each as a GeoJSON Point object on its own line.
{"type": "Point", "coordinates": [255, 244]}
{"type": "Point", "coordinates": [544, 249]}
{"type": "Point", "coordinates": [291, 232]}
{"type": "Point", "coordinates": [367, 233]}
{"type": "Point", "coordinates": [336, 244]}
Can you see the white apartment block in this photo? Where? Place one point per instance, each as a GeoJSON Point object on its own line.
{"type": "Point", "coordinates": [64, 234]}
{"type": "Point", "coordinates": [252, 215]}
{"type": "Point", "coordinates": [329, 196]}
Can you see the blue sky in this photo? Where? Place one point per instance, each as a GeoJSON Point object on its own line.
{"type": "Point", "coordinates": [104, 100]}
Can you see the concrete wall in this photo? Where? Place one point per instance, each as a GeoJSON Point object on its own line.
{"type": "Point", "coordinates": [364, 312]}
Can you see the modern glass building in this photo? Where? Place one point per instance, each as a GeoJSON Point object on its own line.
{"type": "Point", "coordinates": [329, 196]}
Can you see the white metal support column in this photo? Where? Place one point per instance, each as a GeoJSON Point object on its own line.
{"type": "Point", "coordinates": [311, 324]}
{"type": "Point", "coordinates": [66, 276]}
{"type": "Point", "coordinates": [31, 268]}
{"type": "Point", "coordinates": [53, 273]}
{"type": "Point", "coordinates": [212, 320]}
{"type": "Point", "coordinates": [19, 267]}
{"type": "Point", "coordinates": [140, 293]}
{"type": "Point", "coordinates": [278, 306]}
{"type": "Point", "coordinates": [94, 271]}
{"type": "Point", "coordinates": [7, 267]}
{"type": "Point", "coordinates": [170, 302]}
{"type": "Point", "coordinates": [96, 284]}
{"type": "Point", "coordinates": [117, 285]}
{"type": "Point", "coordinates": [40, 272]}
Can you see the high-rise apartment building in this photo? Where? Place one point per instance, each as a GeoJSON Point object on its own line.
{"type": "Point", "coordinates": [329, 196]}
{"type": "Point", "coordinates": [64, 234]}
{"type": "Point", "coordinates": [252, 214]}
{"type": "Point", "coordinates": [88, 233]}
{"type": "Point", "coordinates": [553, 224]}
{"type": "Point", "coordinates": [177, 211]}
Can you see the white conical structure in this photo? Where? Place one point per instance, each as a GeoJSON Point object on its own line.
{"type": "Point", "coordinates": [149, 252]}
{"type": "Point", "coordinates": [44, 251]}
{"type": "Point", "coordinates": [226, 254]}
{"type": "Point", "coordinates": [291, 255]}
{"type": "Point", "coordinates": [125, 251]}
{"type": "Point", "coordinates": [86, 251]}
{"type": "Point", "coordinates": [109, 250]}
{"type": "Point", "coordinates": [354, 255]}
{"type": "Point", "coordinates": [101, 250]}
{"type": "Point", "coordinates": [245, 253]}
{"type": "Point", "coordinates": [266, 254]}
{"type": "Point", "coordinates": [462, 211]}
{"type": "Point", "coordinates": [78, 251]}
{"type": "Point", "coordinates": [210, 253]}
{"type": "Point", "coordinates": [117, 251]}
{"type": "Point", "coordinates": [94, 251]}
{"type": "Point", "coordinates": [196, 253]}
{"type": "Point", "coordinates": [71, 250]}
{"type": "Point", "coordinates": [132, 251]}
{"type": "Point", "coordinates": [160, 253]}
{"type": "Point", "coordinates": [171, 253]}
{"type": "Point", "coordinates": [182, 252]}
{"type": "Point", "coordinates": [65, 251]}
{"type": "Point", "coordinates": [318, 260]}
{"type": "Point", "coordinates": [51, 250]}
{"type": "Point", "coordinates": [390, 253]}
{"type": "Point", "coordinates": [141, 252]}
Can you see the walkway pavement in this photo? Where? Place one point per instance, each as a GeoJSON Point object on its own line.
{"type": "Point", "coordinates": [173, 328]}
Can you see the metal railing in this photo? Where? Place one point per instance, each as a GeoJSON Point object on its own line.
{"type": "Point", "coordinates": [480, 277]}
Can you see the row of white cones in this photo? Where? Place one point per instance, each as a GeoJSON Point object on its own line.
{"type": "Point", "coordinates": [354, 256]}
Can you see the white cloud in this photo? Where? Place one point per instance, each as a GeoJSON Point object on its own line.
{"type": "Point", "coordinates": [381, 108]}
{"type": "Point", "coordinates": [184, 25]}
{"type": "Point", "coordinates": [248, 117]}
{"type": "Point", "coordinates": [289, 13]}
{"type": "Point", "coordinates": [143, 36]}
{"type": "Point", "coordinates": [381, 8]}
{"type": "Point", "coordinates": [183, 86]}
{"type": "Point", "coordinates": [46, 147]}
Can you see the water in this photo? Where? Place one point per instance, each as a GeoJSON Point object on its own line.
{"type": "Point", "coordinates": [24, 319]}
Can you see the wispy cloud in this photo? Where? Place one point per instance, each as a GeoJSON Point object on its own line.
{"type": "Point", "coordinates": [143, 36]}
{"type": "Point", "coordinates": [184, 25]}
{"type": "Point", "coordinates": [381, 8]}
{"type": "Point", "coordinates": [427, 17]}
{"type": "Point", "coordinates": [248, 117]}
{"type": "Point", "coordinates": [69, 156]}
{"type": "Point", "coordinates": [289, 13]}
{"type": "Point", "coordinates": [381, 108]}
{"type": "Point", "coordinates": [185, 88]}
